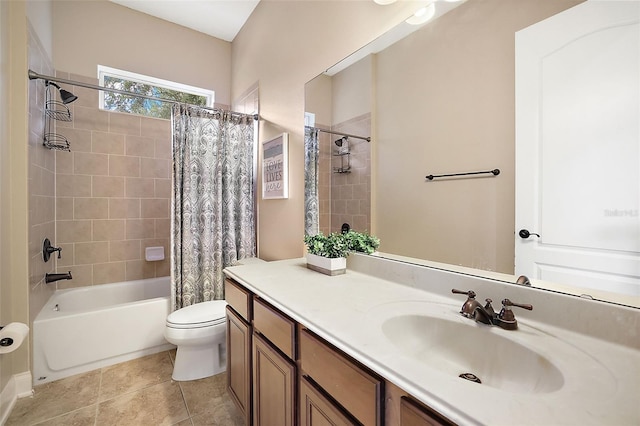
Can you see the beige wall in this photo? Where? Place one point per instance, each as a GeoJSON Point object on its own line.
{"type": "Point", "coordinates": [88, 33]}
{"type": "Point", "coordinates": [14, 281]}
{"type": "Point", "coordinates": [282, 46]}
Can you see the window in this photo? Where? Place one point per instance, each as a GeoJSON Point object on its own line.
{"type": "Point", "coordinates": [148, 86]}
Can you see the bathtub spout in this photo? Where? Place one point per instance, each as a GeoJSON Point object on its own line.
{"type": "Point", "coordinates": [50, 278]}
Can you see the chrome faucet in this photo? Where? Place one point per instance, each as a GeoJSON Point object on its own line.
{"type": "Point", "coordinates": [486, 314]}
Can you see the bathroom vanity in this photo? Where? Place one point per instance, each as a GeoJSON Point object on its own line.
{"type": "Point", "coordinates": [385, 344]}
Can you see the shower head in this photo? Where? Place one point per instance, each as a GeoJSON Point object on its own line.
{"type": "Point", "coordinates": [340, 141]}
{"type": "Point", "coordinates": [67, 97]}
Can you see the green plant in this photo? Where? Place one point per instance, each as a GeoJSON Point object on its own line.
{"type": "Point", "coordinates": [332, 246]}
{"type": "Point", "coordinates": [362, 242]}
{"type": "Point", "coordinates": [340, 245]}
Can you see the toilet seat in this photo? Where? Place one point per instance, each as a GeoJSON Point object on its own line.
{"type": "Point", "coordinates": [204, 314]}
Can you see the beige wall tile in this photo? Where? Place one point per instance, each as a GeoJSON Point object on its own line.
{"type": "Point", "coordinates": [90, 118]}
{"type": "Point", "coordinates": [139, 146]}
{"type": "Point", "coordinates": [139, 187]}
{"type": "Point", "coordinates": [73, 185]}
{"type": "Point", "coordinates": [90, 164]}
{"type": "Point", "coordinates": [163, 268]}
{"type": "Point", "coordinates": [93, 252]}
{"type": "Point", "coordinates": [108, 230]}
{"type": "Point", "coordinates": [163, 228]}
{"type": "Point", "coordinates": [156, 128]}
{"type": "Point", "coordinates": [107, 186]}
{"type": "Point", "coordinates": [64, 162]}
{"type": "Point", "coordinates": [124, 250]}
{"type": "Point", "coordinates": [139, 229]}
{"type": "Point", "coordinates": [139, 269]}
{"type": "Point", "coordinates": [107, 143]}
{"type": "Point", "coordinates": [154, 208]}
{"type": "Point", "coordinates": [163, 188]}
{"type": "Point", "coordinates": [124, 208]}
{"type": "Point", "coordinates": [128, 124]}
{"type": "Point", "coordinates": [153, 167]}
{"type": "Point", "coordinates": [106, 273]}
{"type": "Point", "coordinates": [163, 147]}
{"type": "Point", "coordinates": [120, 165]}
{"type": "Point", "coordinates": [71, 231]}
{"type": "Point", "coordinates": [64, 208]}
{"type": "Point", "coordinates": [79, 140]}
{"type": "Point", "coordinates": [90, 208]}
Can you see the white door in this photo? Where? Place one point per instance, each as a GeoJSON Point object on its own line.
{"type": "Point", "coordinates": [578, 147]}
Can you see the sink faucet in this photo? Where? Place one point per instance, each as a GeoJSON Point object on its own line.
{"type": "Point", "coordinates": [486, 315]}
{"type": "Point", "coordinates": [469, 307]}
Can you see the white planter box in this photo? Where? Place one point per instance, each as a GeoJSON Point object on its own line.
{"type": "Point", "coordinates": [327, 265]}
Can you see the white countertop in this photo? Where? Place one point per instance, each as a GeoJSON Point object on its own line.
{"type": "Point", "coordinates": [601, 379]}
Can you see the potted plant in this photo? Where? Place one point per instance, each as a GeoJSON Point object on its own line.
{"type": "Point", "coordinates": [328, 253]}
{"type": "Point", "coordinates": [361, 242]}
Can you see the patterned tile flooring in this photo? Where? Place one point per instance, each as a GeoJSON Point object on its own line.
{"type": "Point", "coordinates": [136, 392]}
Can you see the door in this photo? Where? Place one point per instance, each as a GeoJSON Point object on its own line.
{"type": "Point", "coordinates": [578, 148]}
{"type": "Point", "coordinates": [239, 363]}
{"type": "Point", "coordinates": [273, 386]}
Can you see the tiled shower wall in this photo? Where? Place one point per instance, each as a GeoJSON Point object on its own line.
{"type": "Point", "coordinates": [41, 181]}
{"type": "Point", "coordinates": [113, 192]}
{"type": "Point", "coordinates": [351, 192]}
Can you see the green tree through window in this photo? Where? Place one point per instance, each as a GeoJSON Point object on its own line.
{"type": "Point", "coordinates": [147, 86]}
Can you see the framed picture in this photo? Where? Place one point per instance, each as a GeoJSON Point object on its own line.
{"type": "Point", "coordinates": [275, 168]}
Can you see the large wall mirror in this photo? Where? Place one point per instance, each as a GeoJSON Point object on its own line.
{"type": "Point", "coordinates": [442, 100]}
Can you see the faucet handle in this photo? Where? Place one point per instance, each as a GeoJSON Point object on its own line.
{"type": "Point", "coordinates": [470, 293]}
{"type": "Point", "coordinates": [507, 302]}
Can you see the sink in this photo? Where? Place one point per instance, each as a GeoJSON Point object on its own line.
{"type": "Point", "coordinates": [475, 352]}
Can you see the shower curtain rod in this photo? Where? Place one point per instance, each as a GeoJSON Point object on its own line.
{"type": "Point", "coordinates": [34, 75]}
{"type": "Point", "coordinates": [367, 138]}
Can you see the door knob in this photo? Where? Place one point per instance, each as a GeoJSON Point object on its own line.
{"type": "Point", "coordinates": [524, 233]}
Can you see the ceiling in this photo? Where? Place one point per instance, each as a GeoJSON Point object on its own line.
{"type": "Point", "coordinates": [222, 19]}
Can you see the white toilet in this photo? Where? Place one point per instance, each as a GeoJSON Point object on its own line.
{"type": "Point", "coordinates": [199, 333]}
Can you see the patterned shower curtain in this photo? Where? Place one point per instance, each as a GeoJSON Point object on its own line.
{"type": "Point", "coordinates": [212, 207]}
{"type": "Point", "coordinates": [311, 157]}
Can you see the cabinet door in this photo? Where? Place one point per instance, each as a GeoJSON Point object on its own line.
{"type": "Point", "coordinates": [412, 414]}
{"type": "Point", "coordinates": [239, 363]}
{"type": "Point", "coordinates": [318, 410]}
{"type": "Point", "coordinates": [273, 386]}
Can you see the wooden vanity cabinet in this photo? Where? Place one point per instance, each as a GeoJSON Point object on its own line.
{"type": "Point", "coordinates": [317, 409]}
{"type": "Point", "coordinates": [403, 410]}
{"type": "Point", "coordinates": [356, 389]}
{"type": "Point", "coordinates": [274, 368]}
{"type": "Point", "coordinates": [239, 347]}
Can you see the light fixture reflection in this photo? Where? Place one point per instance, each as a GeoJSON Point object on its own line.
{"type": "Point", "coordinates": [422, 15]}
{"type": "Point", "coordinates": [384, 2]}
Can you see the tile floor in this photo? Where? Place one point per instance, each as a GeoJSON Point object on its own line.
{"type": "Point", "coordinates": [137, 392]}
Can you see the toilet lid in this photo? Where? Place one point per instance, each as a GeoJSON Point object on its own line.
{"type": "Point", "coordinates": [202, 314]}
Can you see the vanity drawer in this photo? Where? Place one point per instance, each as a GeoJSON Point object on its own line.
{"type": "Point", "coordinates": [357, 390]}
{"type": "Point", "coordinates": [275, 326]}
{"type": "Point", "coordinates": [239, 298]}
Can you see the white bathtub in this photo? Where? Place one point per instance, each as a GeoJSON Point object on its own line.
{"type": "Point", "coordinates": [83, 329]}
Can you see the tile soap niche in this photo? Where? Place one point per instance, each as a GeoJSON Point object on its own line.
{"type": "Point", "coordinates": [55, 110]}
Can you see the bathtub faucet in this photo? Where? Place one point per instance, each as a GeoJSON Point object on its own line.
{"type": "Point", "coordinates": [50, 278]}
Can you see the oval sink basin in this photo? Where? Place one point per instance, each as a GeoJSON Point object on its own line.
{"type": "Point", "coordinates": [472, 351]}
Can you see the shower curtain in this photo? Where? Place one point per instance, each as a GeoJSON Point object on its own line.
{"type": "Point", "coordinates": [311, 207]}
{"type": "Point", "coordinates": [212, 207]}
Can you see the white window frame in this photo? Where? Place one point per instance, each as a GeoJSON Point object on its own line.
{"type": "Point", "coordinates": [104, 71]}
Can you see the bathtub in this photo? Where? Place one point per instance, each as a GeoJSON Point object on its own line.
{"type": "Point", "coordinates": [86, 328]}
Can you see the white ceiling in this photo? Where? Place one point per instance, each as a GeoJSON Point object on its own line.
{"type": "Point", "coordinates": [218, 18]}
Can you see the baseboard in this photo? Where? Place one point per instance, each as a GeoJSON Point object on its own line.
{"type": "Point", "coordinates": [19, 386]}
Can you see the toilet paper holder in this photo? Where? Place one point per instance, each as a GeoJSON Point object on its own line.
{"type": "Point", "coordinates": [7, 341]}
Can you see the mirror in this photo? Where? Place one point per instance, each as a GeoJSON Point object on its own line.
{"type": "Point", "coordinates": [439, 101]}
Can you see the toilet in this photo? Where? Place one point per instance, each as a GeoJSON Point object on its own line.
{"type": "Point", "coordinates": [199, 332]}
